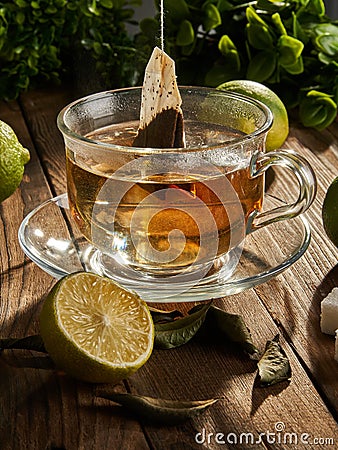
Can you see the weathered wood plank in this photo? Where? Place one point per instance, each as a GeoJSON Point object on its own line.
{"type": "Point", "coordinates": [202, 370]}
{"type": "Point", "coordinates": [294, 299]}
{"type": "Point", "coordinates": [41, 109]}
{"type": "Point", "coordinates": [197, 370]}
{"type": "Point", "coordinates": [41, 409]}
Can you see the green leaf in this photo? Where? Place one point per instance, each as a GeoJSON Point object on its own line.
{"type": "Point", "coordinates": [253, 18]}
{"type": "Point", "coordinates": [295, 68]}
{"type": "Point", "coordinates": [20, 17]}
{"type": "Point", "coordinates": [262, 66]}
{"type": "Point", "coordinates": [92, 7]}
{"type": "Point", "coordinates": [21, 3]}
{"type": "Point", "coordinates": [167, 412]}
{"type": "Point", "coordinates": [226, 45]}
{"type": "Point", "coordinates": [33, 342]}
{"type": "Point", "coordinates": [221, 73]}
{"type": "Point", "coordinates": [180, 331]}
{"type": "Point", "coordinates": [330, 29]}
{"type": "Point", "coordinates": [186, 34]}
{"type": "Point", "coordinates": [328, 44]}
{"type": "Point", "coordinates": [229, 51]}
{"type": "Point", "coordinates": [187, 50]}
{"type": "Point", "coordinates": [325, 59]}
{"type": "Point", "coordinates": [97, 47]}
{"type": "Point", "coordinates": [290, 49]}
{"type": "Point", "coordinates": [212, 18]}
{"type": "Point", "coordinates": [51, 9]}
{"type": "Point", "coordinates": [230, 327]}
{"type": "Point", "coordinates": [270, 5]}
{"type": "Point", "coordinates": [278, 23]}
{"type": "Point", "coordinates": [177, 10]}
{"type": "Point", "coordinates": [274, 366]}
{"type": "Point", "coordinates": [316, 7]}
{"type": "Point", "coordinates": [149, 27]}
{"type": "Point", "coordinates": [297, 30]}
{"type": "Point", "coordinates": [259, 36]}
{"type": "Point", "coordinates": [32, 61]}
{"type": "Point", "coordinates": [18, 50]}
{"type": "Point", "coordinates": [317, 110]}
{"type": "Point", "coordinates": [107, 3]}
{"type": "Point", "coordinates": [224, 5]}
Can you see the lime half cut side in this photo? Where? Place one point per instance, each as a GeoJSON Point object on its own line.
{"type": "Point", "coordinates": [95, 330]}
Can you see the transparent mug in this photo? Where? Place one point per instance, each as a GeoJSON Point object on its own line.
{"type": "Point", "coordinates": [173, 215]}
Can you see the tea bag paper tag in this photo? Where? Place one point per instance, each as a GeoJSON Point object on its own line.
{"type": "Point", "coordinates": [161, 117]}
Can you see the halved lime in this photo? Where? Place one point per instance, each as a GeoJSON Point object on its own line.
{"type": "Point", "coordinates": [95, 330]}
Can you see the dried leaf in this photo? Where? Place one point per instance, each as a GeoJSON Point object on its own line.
{"type": "Point", "coordinates": [161, 316]}
{"type": "Point", "coordinates": [33, 342]}
{"type": "Point", "coordinates": [178, 332]}
{"type": "Point", "coordinates": [232, 327]}
{"type": "Point", "coordinates": [274, 365]}
{"type": "Point", "coordinates": [168, 412]}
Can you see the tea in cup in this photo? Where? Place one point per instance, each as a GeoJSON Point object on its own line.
{"type": "Point", "coordinates": [173, 215]}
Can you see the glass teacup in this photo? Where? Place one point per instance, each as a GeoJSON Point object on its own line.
{"type": "Point", "coordinates": [173, 215]}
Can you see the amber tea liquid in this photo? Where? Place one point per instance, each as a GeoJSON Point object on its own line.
{"type": "Point", "coordinates": [140, 231]}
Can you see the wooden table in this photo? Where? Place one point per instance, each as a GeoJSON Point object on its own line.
{"type": "Point", "coordinates": [43, 409]}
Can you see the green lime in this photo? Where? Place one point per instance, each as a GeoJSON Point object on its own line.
{"type": "Point", "coordinates": [13, 157]}
{"type": "Point", "coordinates": [330, 212]}
{"type": "Point", "coordinates": [95, 330]}
{"type": "Point", "coordinates": [280, 127]}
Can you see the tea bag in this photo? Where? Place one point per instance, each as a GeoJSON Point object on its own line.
{"type": "Point", "coordinates": [161, 117]}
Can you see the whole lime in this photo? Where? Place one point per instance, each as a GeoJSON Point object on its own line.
{"type": "Point", "coordinates": [330, 212]}
{"type": "Point", "coordinates": [13, 157]}
{"type": "Point", "coordinates": [280, 127]}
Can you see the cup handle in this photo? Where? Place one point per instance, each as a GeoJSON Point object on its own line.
{"type": "Point", "coordinates": [304, 173]}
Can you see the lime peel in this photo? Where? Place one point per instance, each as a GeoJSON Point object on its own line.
{"type": "Point", "coordinates": [13, 157]}
{"type": "Point", "coordinates": [279, 130]}
{"type": "Point", "coordinates": [330, 212]}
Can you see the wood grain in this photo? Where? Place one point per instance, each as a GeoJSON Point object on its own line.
{"type": "Point", "coordinates": [40, 409]}
{"type": "Point", "coordinates": [44, 409]}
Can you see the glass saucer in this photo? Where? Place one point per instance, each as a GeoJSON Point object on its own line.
{"type": "Point", "coordinates": [50, 238]}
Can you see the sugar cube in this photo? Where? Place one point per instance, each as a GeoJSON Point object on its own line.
{"type": "Point", "coordinates": [329, 313]}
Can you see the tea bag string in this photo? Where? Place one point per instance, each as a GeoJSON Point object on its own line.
{"type": "Point", "coordinates": [162, 24]}
{"type": "Point", "coordinates": [161, 117]}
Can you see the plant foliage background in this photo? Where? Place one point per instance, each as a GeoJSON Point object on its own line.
{"type": "Point", "coordinates": [46, 40]}
{"type": "Point", "coordinates": [291, 46]}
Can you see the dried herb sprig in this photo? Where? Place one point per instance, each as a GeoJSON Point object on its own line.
{"type": "Point", "coordinates": [33, 342]}
{"type": "Point", "coordinates": [157, 410]}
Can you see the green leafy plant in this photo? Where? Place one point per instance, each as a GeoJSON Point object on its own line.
{"type": "Point", "coordinates": [38, 39]}
{"type": "Point", "coordinates": [291, 46]}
